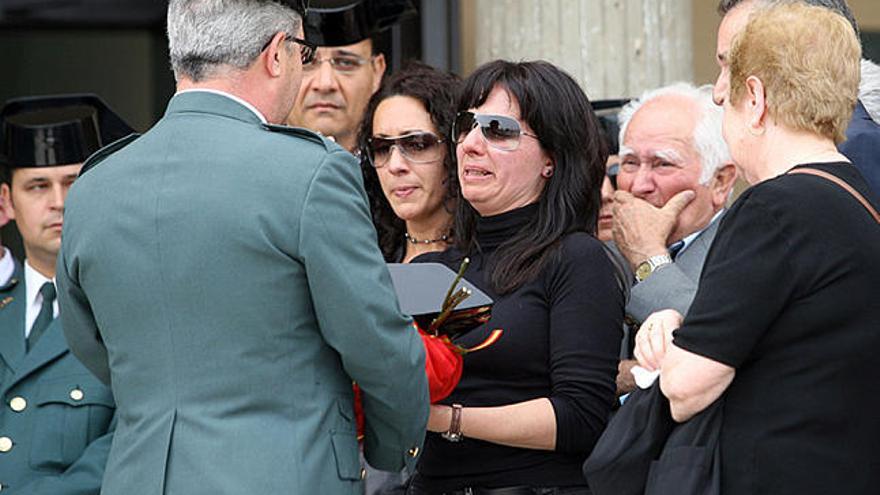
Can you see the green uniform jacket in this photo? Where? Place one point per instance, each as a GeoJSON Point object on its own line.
{"type": "Point", "coordinates": [224, 277]}
{"type": "Point", "coordinates": [56, 421]}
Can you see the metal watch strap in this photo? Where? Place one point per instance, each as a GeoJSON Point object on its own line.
{"type": "Point", "coordinates": [652, 263]}
{"type": "Point", "coordinates": [454, 432]}
{"type": "Point", "coordinates": [659, 260]}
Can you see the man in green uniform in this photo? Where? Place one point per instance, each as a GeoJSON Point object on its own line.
{"type": "Point", "coordinates": [56, 419]}
{"type": "Point", "coordinates": [348, 67]}
{"type": "Point", "coordinates": [222, 273]}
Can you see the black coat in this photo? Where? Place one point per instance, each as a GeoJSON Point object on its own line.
{"type": "Point", "coordinates": [644, 451]}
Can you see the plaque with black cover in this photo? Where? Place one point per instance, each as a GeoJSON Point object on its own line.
{"type": "Point", "coordinates": [440, 301]}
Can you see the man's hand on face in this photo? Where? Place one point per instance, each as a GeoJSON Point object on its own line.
{"type": "Point", "coordinates": [642, 230]}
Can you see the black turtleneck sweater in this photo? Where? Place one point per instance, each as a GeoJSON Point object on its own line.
{"type": "Point", "coordinates": [561, 340]}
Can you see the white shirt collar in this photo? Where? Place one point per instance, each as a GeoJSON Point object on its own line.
{"type": "Point", "coordinates": [7, 266]}
{"type": "Point", "coordinates": [33, 281]}
{"type": "Point", "coordinates": [691, 238]}
{"type": "Point", "coordinates": [231, 97]}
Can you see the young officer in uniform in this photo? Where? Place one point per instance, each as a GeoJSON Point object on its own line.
{"type": "Point", "coordinates": [56, 419]}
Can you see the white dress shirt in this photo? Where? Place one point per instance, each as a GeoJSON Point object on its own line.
{"type": "Point", "coordinates": [7, 266]}
{"type": "Point", "coordinates": [231, 97]}
{"type": "Point", "coordinates": [33, 280]}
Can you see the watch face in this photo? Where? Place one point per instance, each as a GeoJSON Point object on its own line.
{"type": "Point", "coordinates": [643, 270]}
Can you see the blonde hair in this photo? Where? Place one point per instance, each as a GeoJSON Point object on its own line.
{"type": "Point", "coordinates": [807, 58]}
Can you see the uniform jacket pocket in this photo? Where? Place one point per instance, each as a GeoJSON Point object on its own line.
{"type": "Point", "coordinates": [69, 415]}
{"type": "Point", "coordinates": [345, 449]}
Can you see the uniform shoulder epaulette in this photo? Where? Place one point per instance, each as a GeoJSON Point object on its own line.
{"type": "Point", "coordinates": [8, 286]}
{"type": "Point", "coordinates": [298, 132]}
{"type": "Point", "coordinates": [99, 156]}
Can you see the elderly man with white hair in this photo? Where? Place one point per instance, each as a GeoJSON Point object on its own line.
{"type": "Point", "coordinates": [675, 177]}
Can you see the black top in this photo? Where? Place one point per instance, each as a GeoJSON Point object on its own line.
{"type": "Point", "coordinates": [561, 340]}
{"type": "Point", "coordinates": [788, 297]}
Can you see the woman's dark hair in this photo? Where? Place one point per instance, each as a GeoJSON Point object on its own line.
{"type": "Point", "coordinates": [558, 111]}
{"type": "Point", "coordinates": [437, 91]}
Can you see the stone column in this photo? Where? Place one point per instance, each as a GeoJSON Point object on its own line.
{"type": "Point", "coordinates": [614, 48]}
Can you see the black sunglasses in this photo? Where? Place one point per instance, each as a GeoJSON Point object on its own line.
{"type": "Point", "coordinates": [500, 131]}
{"type": "Point", "coordinates": [307, 49]}
{"type": "Point", "coordinates": [416, 147]}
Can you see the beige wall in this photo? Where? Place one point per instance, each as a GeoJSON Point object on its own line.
{"type": "Point", "coordinates": [867, 14]}
{"type": "Point", "coordinates": [613, 48]}
{"type": "Point", "coordinates": [705, 24]}
{"type": "Point", "coordinates": [706, 21]}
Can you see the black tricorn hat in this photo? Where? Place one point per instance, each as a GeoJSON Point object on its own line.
{"type": "Point", "coordinates": [345, 22]}
{"type": "Point", "coordinates": [609, 106]}
{"type": "Point", "coordinates": [300, 6]}
{"type": "Point", "coordinates": [46, 131]}
{"type": "Point", "coordinates": [606, 111]}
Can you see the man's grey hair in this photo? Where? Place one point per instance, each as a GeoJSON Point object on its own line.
{"type": "Point", "coordinates": [707, 138]}
{"type": "Point", "coordinates": [205, 36]}
{"type": "Point", "coordinates": [839, 6]}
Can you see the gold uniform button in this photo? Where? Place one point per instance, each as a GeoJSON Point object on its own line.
{"type": "Point", "coordinates": [5, 444]}
{"type": "Point", "coordinates": [363, 473]}
{"type": "Point", "coordinates": [18, 404]}
{"type": "Point", "coordinates": [413, 452]}
{"type": "Point", "coordinates": [76, 394]}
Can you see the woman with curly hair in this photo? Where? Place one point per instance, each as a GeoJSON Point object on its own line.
{"type": "Point", "coordinates": [408, 161]}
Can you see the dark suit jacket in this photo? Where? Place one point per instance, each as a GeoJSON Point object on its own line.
{"type": "Point", "coordinates": [61, 437]}
{"type": "Point", "coordinates": [862, 147]}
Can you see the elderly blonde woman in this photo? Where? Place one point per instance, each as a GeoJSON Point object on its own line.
{"type": "Point", "coordinates": [784, 324]}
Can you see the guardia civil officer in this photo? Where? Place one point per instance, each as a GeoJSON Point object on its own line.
{"type": "Point", "coordinates": [56, 419]}
{"type": "Point", "coordinates": [348, 67]}
{"type": "Point", "coordinates": [222, 273]}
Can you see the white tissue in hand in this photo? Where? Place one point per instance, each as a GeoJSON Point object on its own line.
{"type": "Point", "coordinates": [643, 377]}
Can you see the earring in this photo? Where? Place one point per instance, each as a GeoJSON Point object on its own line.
{"type": "Point", "coordinates": [547, 173]}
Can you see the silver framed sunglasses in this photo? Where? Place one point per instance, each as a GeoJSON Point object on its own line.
{"type": "Point", "coordinates": [416, 147]}
{"type": "Point", "coordinates": [499, 131]}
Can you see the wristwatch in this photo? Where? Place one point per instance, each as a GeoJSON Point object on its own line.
{"type": "Point", "coordinates": [647, 267]}
{"type": "Point", "coordinates": [453, 434]}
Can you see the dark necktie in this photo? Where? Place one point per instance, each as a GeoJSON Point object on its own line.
{"type": "Point", "coordinates": [47, 314]}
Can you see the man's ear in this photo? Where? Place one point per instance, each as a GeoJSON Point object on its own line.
{"type": "Point", "coordinates": [722, 184]}
{"type": "Point", "coordinates": [7, 212]}
{"type": "Point", "coordinates": [273, 55]}
{"type": "Point", "coordinates": [378, 66]}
